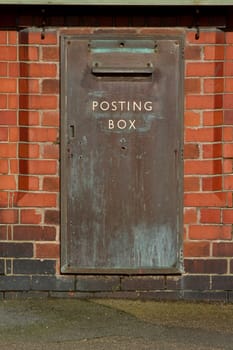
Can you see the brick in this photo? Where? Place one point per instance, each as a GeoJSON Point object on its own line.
{"type": "Point", "coordinates": [51, 152]}
{"type": "Point", "coordinates": [51, 184]}
{"type": "Point", "coordinates": [227, 216]}
{"type": "Point", "coordinates": [203, 134]}
{"type": "Point", "coordinates": [8, 216]}
{"type": "Point", "coordinates": [190, 215]}
{"type": "Point", "coordinates": [204, 69]}
{"type": "Point", "coordinates": [228, 134]}
{"type": "Point", "coordinates": [38, 102]}
{"type": "Point", "coordinates": [154, 295]}
{"type": "Point", "coordinates": [192, 85]}
{"type": "Point", "coordinates": [11, 283]}
{"type": "Point", "coordinates": [38, 70]}
{"type": "Point", "coordinates": [44, 200]}
{"type": "Point", "coordinates": [202, 167]}
{"type": "Point", "coordinates": [228, 117]}
{"type": "Point", "coordinates": [33, 267]}
{"type": "Point", "coordinates": [9, 266]}
{"type": "Point", "coordinates": [13, 101]}
{"type": "Point", "coordinates": [196, 282]}
{"type": "Point", "coordinates": [205, 199]}
{"type": "Point", "coordinates": [7, 182]}
{"type": "Point", "coordinates": [227, 166]}
{"type": "Point", "coordinates": [173, 282]}
{"type": "Point", "coordinates": [3, 69]}
{"type": "Point", "coordinates": [208, 216]}
{"type": "Point", "coordinates": [213, 183]}
{"type": "Point", "coordinates": [34, 37]}
{"type": "Point", "coordinates": [29, 86]}
{"type": "Point", "coordinates": [223, 249]}
{"type": "Point", "coordinates": [2, 267]}
{"type": "Point", "coordinates": [14, 134]}
{"type": "Point", "coordinates": [191, 151]}
{"type": "Point", "coordinates": [38, 134]}
{"type": "Point", "coordinates": [3, 166]}
{"type": "Point", "coordinates": [30, 216]}
{"type": "Point", "coordinates": [229, 38]}
{"type": "Point", "coordinates": [47, 250]}
{"type": "Point", "coordinates": [207, 296]}
{"type": "Point", "coordinates": [214, 52]}
{"type": "Point", "coordinates": [50, 118]}
{"type": "Point", "coordinates": [192, 53]}
{"type": "Point", "coordinates": [8, 150]}
{"type": "Point", "coordinates": [28, 183]}
{"type": "Point", "coordinates": [97, 283]}
{"type": "Point", "coordinates": [28, 118]}
{"type": "Point", "coordinates": [3, 37]}
{"type": "Point", "coordinates": [8, 85]}
{"type": "Point", "coordinates": [229, 52]}
{"type": "Point", "coordinates": [50, 86]}
{"type": "Point", "coordinates": [38, 167]}
{"type": "Point", "coordinates": [29, 150]}
{"type": "Point", "coordinates": [209, 232]}
{"type": "Point", "coordinates": [52, 217]}
{"type": "Point", "coordinates": [228, 150]}
{"type": "Point", "coordinates": [222, 282]}
{"type": "Point", "coordinates": [212, 150]}
{"type": "Point", "coordinates": [228, 181]}
{"type": "Point", "coordinates": [206, 38]}
{"type": "Point", "coordinates": [12, 37]}
{"type": "Point", "coordinates": [8, 53]}
{"type": "Point", "coordinates": [231, 268]}
{"type": "Point", "coordinates": [229, 200]}
{"type": "Point", "coordinates": [3, 233]}
{"type": "Point", "coordinates": [213, 118]}
{"type": "Point", "coordinates": [52, 283]}
{"type": "Point", "coordinates": [28, 53]}
{"type": "Point", "coordinates": [50, 53]}
{"type": "Point", "coordinates": [214, 85]}
{"type": "Point", "coordinates": [14, 169]}
{"type": "Point", "coordinates": [16, 250]}
{"type": "Point", "coordinates": [14, 69]}
{"type": "Point", "coordinates": [208, 266]}
{"type": "Point", "coordinates": [34, 233]}
{"type": "Point", "coordinates": [8, 117]}
{"type": "Point", "coordinates": [191, 118]}
{"type": "Point", "coordinates": [207, 102]}
{"type": "Point", "coordinates": [228, 101]}
{"type": "Point", "coordinates": [3, 134]}
{"type": "Point", "coordinates": [196, 249]}
{"type": "Point", "coordinates": [191, 184]}
{"type": "Point", "coordinates": [228, 84]}
{"type": "Point", "coordinates": [3, 199]}
{"type": "Point", "coordinates": [142, 283]}
{"type": "Point", "coordinates": [3, 101]}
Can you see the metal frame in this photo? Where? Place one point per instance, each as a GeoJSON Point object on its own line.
{"type": "Point", "coordinates": [121, 2]}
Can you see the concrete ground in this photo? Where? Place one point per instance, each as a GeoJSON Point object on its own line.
{"type": "Point", "coordinates": [57, 324]}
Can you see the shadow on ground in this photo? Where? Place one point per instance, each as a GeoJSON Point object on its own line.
{"type": "Point", "coordinates": [114, 324]}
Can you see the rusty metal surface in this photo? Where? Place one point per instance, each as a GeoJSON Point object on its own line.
{"type": "Point", "coordinates": [121, 154]}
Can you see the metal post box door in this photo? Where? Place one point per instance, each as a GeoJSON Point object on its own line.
{"type": "Point", "coordinates": [121, 163]}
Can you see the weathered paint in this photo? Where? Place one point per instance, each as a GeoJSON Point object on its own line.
{"type": "Point", "coordinates": [121, 168]}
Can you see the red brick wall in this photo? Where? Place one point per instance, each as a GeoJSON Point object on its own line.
{"type": "Point", "coordinates": [29, 166]}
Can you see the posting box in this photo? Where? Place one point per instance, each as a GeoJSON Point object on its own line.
{"type": "Point", "coordinates": [121, 154]}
